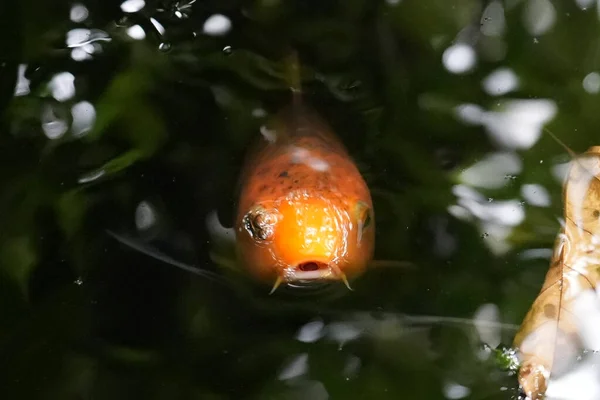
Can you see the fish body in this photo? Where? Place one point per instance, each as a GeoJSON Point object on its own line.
{"type": "Point", "coordinates": [304, 212]}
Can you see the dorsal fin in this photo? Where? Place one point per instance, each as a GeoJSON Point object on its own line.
{"type": "Point", "coordinates": [293, 75]}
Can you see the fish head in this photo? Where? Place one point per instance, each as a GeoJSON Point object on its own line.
{"type": "Point", "coordinates": [304, 238]}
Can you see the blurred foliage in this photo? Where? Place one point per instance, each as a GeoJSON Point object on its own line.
{"type": "Point", "coordinates": [85, 317]}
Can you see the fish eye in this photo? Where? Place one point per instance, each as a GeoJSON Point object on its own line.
{"type": "Point", "coordinates": [259, 223]}
{"type": "Point", "coordinates": [364, 215]}
{"type": "Point", "coordinates": [367, 220]}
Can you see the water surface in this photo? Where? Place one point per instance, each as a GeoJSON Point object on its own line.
{"type": "Point", "coordinates": [133, 116]}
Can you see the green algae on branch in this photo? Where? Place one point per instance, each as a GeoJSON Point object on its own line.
{"type": "Point", "coordinates": [505, 357]}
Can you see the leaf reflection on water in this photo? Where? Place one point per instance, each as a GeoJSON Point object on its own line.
{"type": "Point", "coordinates": [132, 93]}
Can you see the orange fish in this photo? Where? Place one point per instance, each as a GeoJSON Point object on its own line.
{"type": "Point", "coordinates": [304, 212]}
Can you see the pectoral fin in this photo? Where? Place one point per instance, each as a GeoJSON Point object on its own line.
{"type": "Point", "coordinates": [158, 255]}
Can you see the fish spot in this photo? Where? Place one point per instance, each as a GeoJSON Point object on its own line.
{"type": "Point", "coordinates": [264, 171]}
{"type": "Point", "coordinates": [263, 188]}
{"type": "Point", "coordinates": [596, 213]}
{"type": "Point", "coordinates": [550, 311]}
{"type": "Point", "coordinates": [284, 174]}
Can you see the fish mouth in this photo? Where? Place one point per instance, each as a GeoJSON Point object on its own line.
{"type": "Point", "coordinates": [311, 273]}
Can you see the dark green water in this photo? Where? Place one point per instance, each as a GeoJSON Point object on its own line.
{"type": "Point", "coordinates": [109, 110]}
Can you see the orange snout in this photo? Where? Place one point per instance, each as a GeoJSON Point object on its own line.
{"type": "Point", "coordinates": [304, 238]}
{"type": "Point", "coordinates": [309, 235]}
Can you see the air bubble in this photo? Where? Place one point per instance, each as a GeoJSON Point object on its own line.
{"type": "Point", "coordinates": [145, 216]}
{"type": "Point", "coordinates": [132, 6]}
{"type": "Point", "coordinates": [459, 58]}
{"type": "Point", "coordinates": [54, 122]}
{"type": "Point", "coordinates": [164, 47]}
{"type": "Point", "coordinates": [136, 32]}
{"type": "Point", "coordinates": [591, 83]}
{"type": "Point", "coordinates": [227, 50]}
{"type": "Point", "coordinates": [217, 25]}
{"type": "Point", "coordinates": [78, 13]}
